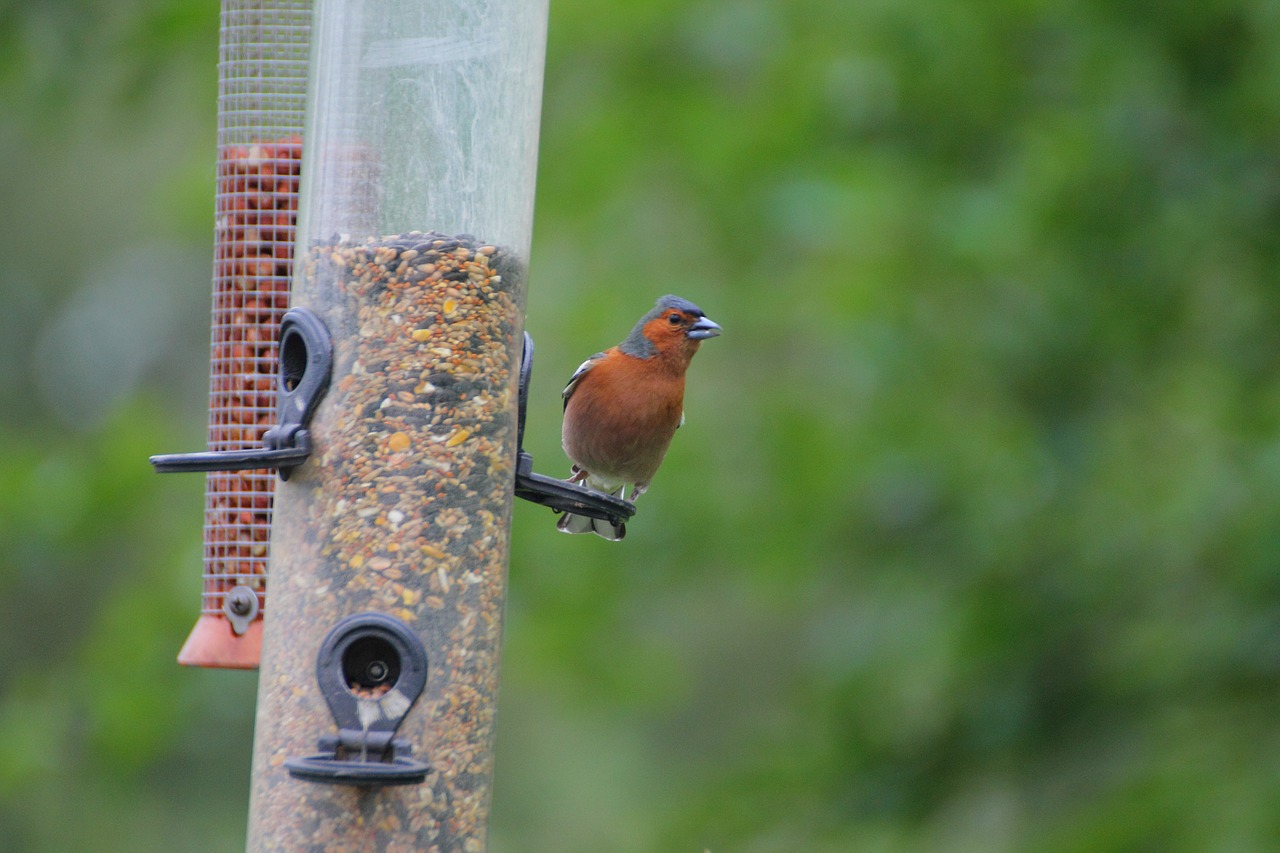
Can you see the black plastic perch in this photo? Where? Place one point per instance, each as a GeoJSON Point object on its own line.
{"type": "Point", "coordinates": [306, 363]}
{"type": "Point", "coordinates": [371, 669]}
{"type": "Point", "coordinates": [560, 495]}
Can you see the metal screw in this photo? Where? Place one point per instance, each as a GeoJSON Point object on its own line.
{"type": "Point", "coordinates": [240, 606]}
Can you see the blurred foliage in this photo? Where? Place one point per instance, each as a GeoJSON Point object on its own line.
{"type": "Point", "coordinates": [969, 542]}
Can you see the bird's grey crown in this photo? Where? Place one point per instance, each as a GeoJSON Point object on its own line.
{"type": "Point", "coordinates": [669, 302]}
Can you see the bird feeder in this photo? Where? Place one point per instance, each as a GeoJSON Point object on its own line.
{"type": "Point", "coordinates": [262, 74]}
{"type": "Point", "coordinates": [390, 542]}
{"type": "Point", "coordinates": [370, 414]}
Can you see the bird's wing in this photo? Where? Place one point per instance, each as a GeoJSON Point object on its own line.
{"type": "Point", "coordinates": [578, 374]}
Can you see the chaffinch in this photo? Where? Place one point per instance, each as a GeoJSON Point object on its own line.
{"type": "Point", "coordinates": [623, 405]}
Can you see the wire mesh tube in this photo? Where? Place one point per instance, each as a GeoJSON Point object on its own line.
{"type": "Point", "coordinates": [262, 78]}
{"type": "Point", "coordinates": [414, 230]}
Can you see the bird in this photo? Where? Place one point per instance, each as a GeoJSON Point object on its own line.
{"type": "Point", "coordinates": [623, 406]}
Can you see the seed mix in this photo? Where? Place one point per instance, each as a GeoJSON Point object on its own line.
{"type": "Point", "coordinates": [405, 510]}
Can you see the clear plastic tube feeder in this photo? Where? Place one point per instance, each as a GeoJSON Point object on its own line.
{"type": "Point", "coordinates": [414, 229]}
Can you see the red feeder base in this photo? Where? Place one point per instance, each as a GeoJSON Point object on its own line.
{"type": "Point", "coordinates": [213, 644]}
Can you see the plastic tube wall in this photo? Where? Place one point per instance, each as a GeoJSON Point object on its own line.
{"type": "Point", "coordinates": [414, 230]}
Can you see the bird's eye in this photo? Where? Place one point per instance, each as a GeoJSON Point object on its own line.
{"type": "Point", "coordinates": [674, 319]}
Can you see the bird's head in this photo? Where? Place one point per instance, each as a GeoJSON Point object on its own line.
{"type": "Point", "coordinates": [675, 327]}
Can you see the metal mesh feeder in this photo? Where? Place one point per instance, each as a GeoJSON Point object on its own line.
{"type": "Point", "coordinates": [262, 74]}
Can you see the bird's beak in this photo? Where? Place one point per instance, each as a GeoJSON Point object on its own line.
{"type": "Point", "coordinates": [704, 328]}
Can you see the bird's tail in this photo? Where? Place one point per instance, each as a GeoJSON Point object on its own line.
{"type": "Point", "coordinates": [571, 523]}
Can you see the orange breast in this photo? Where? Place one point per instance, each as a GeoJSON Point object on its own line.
{"type": "Point", "coordinates": [620, 420]}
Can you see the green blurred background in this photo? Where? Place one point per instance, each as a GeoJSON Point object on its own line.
{"type": "Point", "coordinates": [970, 540]}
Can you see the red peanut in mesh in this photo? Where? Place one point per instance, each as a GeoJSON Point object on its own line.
{"type": "Point", "coordinates": [256, 210]}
